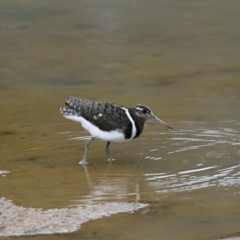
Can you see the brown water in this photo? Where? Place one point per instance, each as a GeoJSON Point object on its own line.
{"type": "Point", "coordinates": [181, 58]}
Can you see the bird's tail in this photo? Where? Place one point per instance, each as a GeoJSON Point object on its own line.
{"type": "Point", "coordinates": [66, 111]}
{"type": "Point", "coordinates": [73, 102]}
{"type": "Point", "coordinates": [73, 106]}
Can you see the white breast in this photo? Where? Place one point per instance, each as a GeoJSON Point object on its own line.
{"type": "Point", "coordinates": [113, 136]}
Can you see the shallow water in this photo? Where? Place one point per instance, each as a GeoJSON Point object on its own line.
{"type": "Point", "coordinates": [181, 59]}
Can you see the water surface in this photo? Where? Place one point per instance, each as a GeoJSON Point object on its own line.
{"type": "Point", "coordinates": [179, 58]}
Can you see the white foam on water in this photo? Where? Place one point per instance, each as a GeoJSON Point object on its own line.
{"type": "Point", "coordinates": [20, 221]}
{"type": "Point", "coordinates": [4, 173]}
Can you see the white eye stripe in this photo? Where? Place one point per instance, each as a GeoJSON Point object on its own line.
{"type": "Point", "coordinates": [138, 108]}
{"type": "Point", "coordinates": [143, 109]}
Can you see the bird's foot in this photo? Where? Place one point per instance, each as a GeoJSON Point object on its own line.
{"type": "Point", "coordinates": [83, 162]}
{"type": "Point", "coordinates": [111, 159]}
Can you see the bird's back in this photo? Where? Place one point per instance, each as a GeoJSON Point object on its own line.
{"type": "Point", "coordinates": [106, 116]}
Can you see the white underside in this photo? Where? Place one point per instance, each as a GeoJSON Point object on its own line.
{"type": "Point", "coordinates": [113, 136]}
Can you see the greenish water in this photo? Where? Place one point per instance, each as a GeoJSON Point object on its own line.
{"type": "Point", "coordinates": [179, 58]}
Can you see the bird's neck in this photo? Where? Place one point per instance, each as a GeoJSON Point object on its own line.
{"type": "Point", "coordinates": [139, 122]}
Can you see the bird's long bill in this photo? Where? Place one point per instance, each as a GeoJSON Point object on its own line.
{"type": "Point", "coordinates": [153, 117]}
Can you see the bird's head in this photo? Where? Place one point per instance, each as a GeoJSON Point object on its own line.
{"type": "Point", "coordinates": [145, 113]}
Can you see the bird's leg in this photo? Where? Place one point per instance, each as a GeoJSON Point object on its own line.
{"type": "Point", "coordinates": [108, 152]}
{"type": "Point", "coordinates": [84, 160]}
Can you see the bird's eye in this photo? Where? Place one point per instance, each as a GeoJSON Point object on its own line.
{"type": "Point", "coordinates": [144, 111]}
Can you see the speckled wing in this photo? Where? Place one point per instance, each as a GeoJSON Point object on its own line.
{"type": "Point", "coordinates": [104, 115]}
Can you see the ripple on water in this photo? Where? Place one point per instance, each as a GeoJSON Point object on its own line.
{"type": "Point", "coordinates": [186, 180]}
{"type": "Point", "coordinates": [214, 152]}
